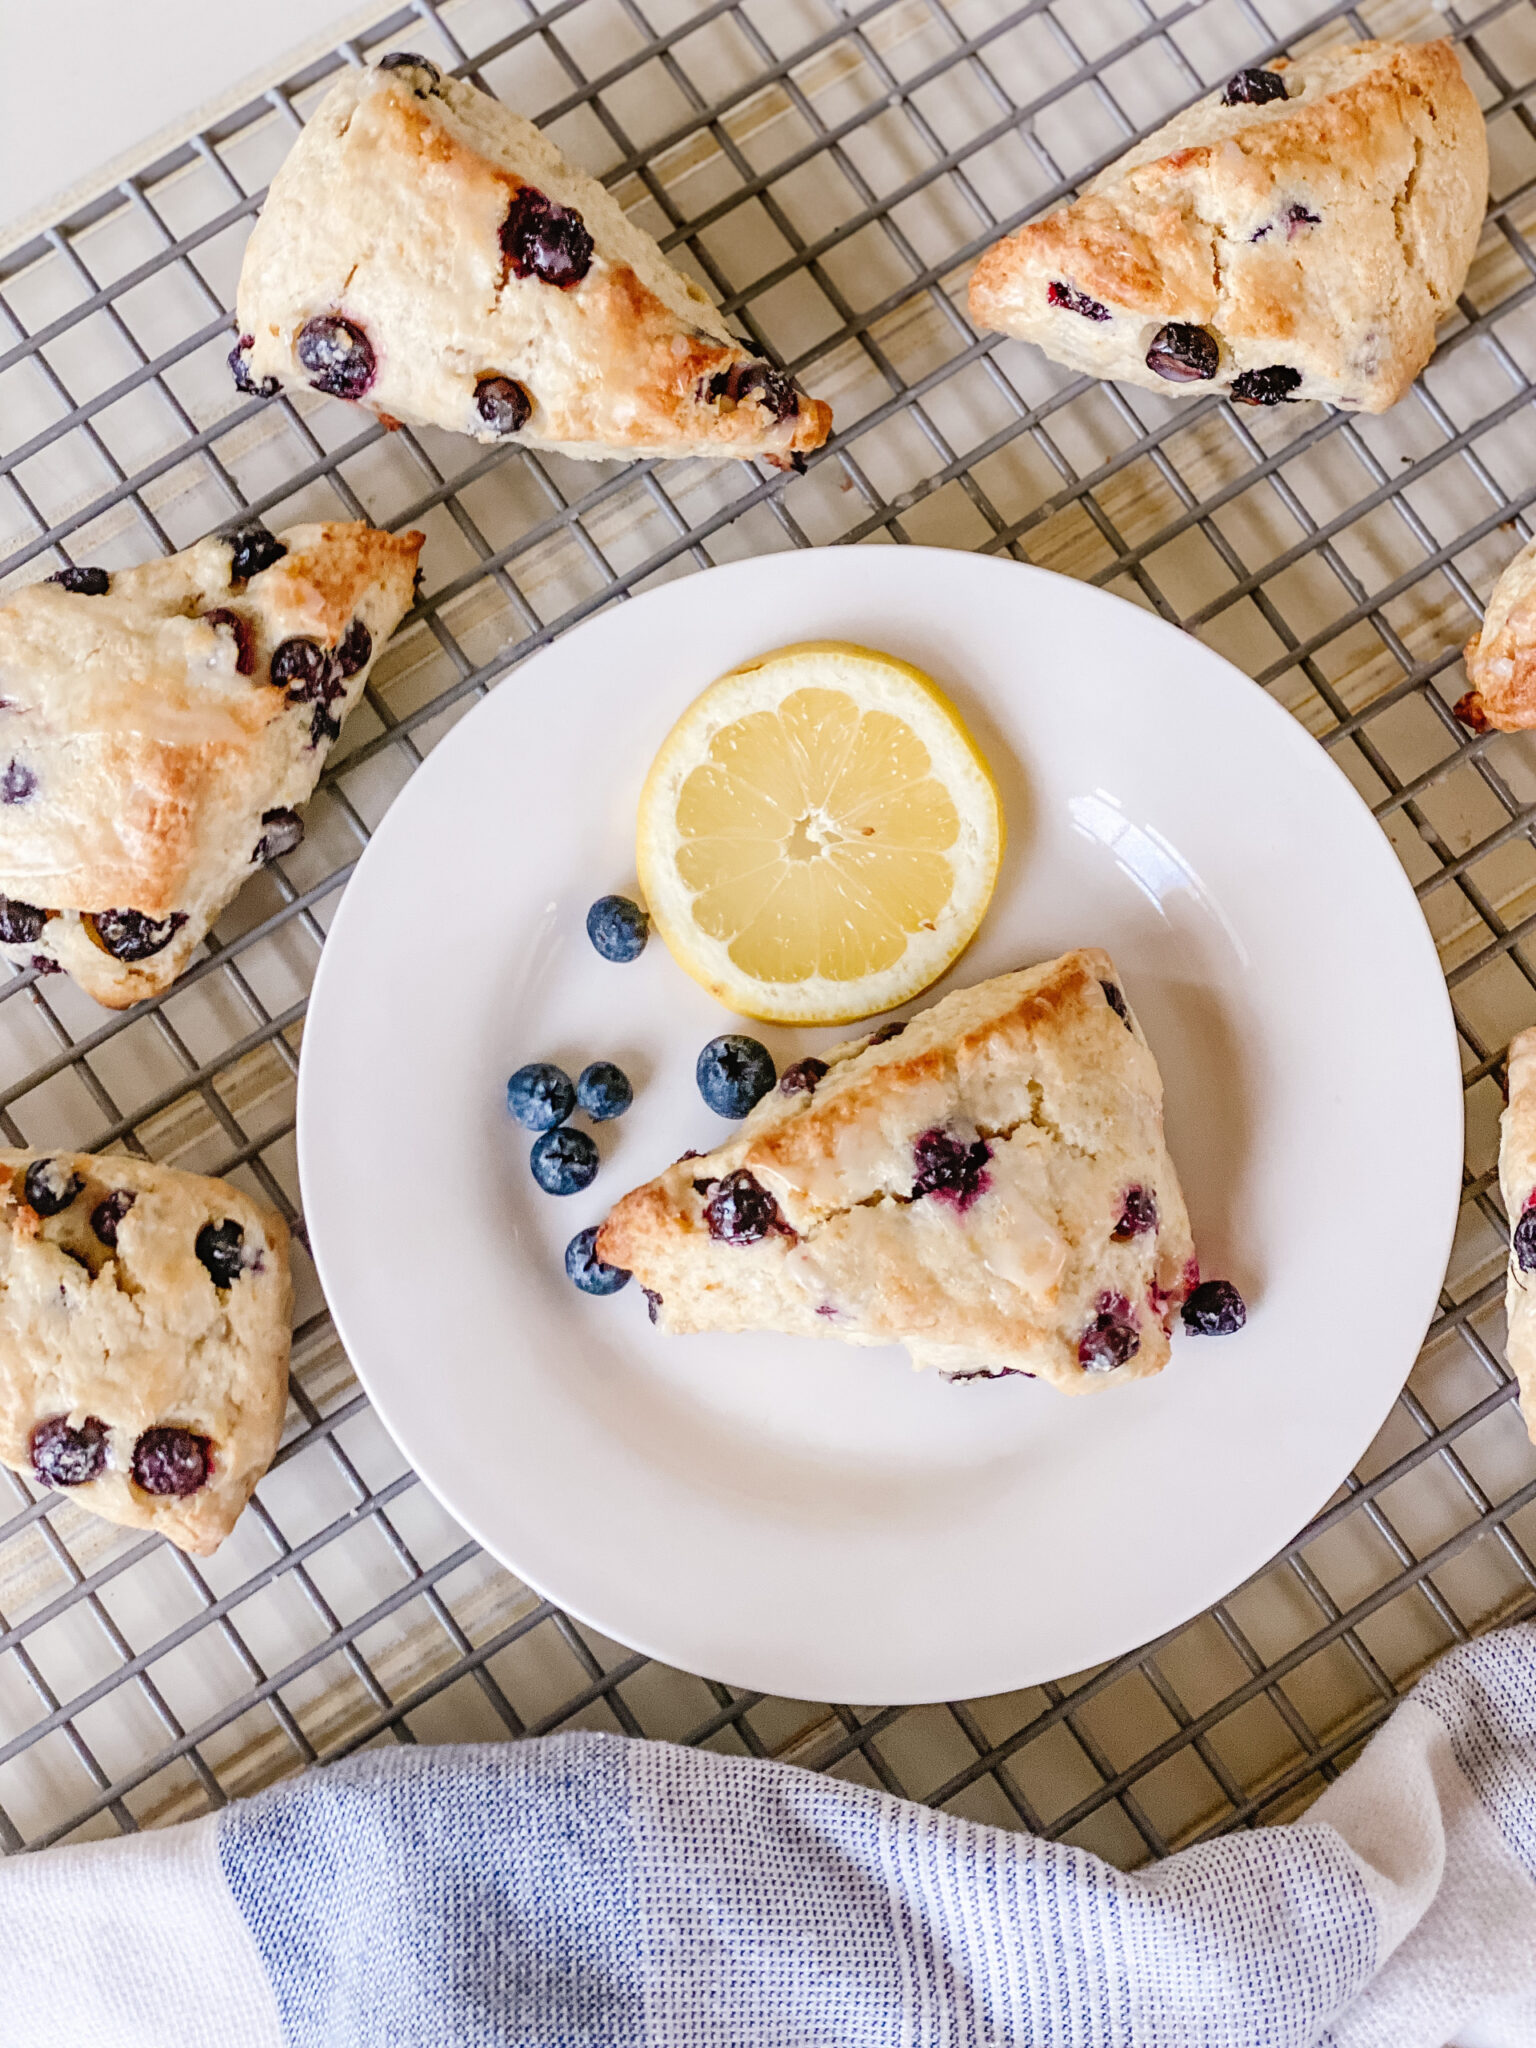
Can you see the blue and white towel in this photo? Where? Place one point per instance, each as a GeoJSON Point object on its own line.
{"type": "Point", "coordinates": [585, 1889]}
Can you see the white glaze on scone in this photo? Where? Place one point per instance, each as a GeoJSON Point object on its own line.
{"type": "Point", "coordinates": [1517, 1183]}
{"type": "Point", "coordinates": [139, 1337]}
{"type": "Point", "coordinates": [1327, 233]}
{"type": "Point", "coordinates": [1039, 1069]}
{"type": "Point", "coordinates": [389, 213]}
{"type": "Point", "coordinates": [146, 758]}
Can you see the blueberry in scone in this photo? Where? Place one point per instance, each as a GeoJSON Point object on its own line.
{"type": "Point", "coordinates": [1517, 1184]}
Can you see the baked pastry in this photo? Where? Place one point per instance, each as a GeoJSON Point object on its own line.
{"type": "Point", "coordinates": [158, 728]}
{"type": "Point", "coordinates": [1501, 659]}
{"type": "Point", "coordinates": [1297, 234]}
{"type": "Point", "coordinates": [144, 1333]}
{"type": "Point", "coordinates": [987, 1185]}
{"type": "Point", "coordinates": [1517, 1183]}
{"type": "Point", "coordinates": [428, 253]}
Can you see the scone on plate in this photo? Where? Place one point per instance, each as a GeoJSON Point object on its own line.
{"type": "Point", "coordinates": [144, 1334]}
{"type": "Point", "coordinates": [1517, 1183]}
{"type": "Point", "coordinates": [159, 727]}
{"type": "Point", "coordinates": [987, 1184]}
{"type": "Point", "coordinates": [1297, 234]}
{"type": "Point", "coordinates": [429, 254]}
{"type": "Point", "coordinates": [1501, 659]}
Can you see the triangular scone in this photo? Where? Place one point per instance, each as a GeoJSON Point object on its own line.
{"type": "Point", "coordinates": [428, 253]}
{"type": "Point", "coordinates": [1517, 1184]}
{"type": "Point", "coordinates": [988, 1186]}
{"type": "Point", "coordinates": [1501, 659]}
{"type": "Point", "coordinates": [159, 726]}
{"type": "Point", "coordinates": [1297, 234]}
{"type": "Point", "coordinates": [144, 1336]}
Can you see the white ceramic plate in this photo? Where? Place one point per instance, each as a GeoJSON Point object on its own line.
{"type": "Point", "coordinates": [818, 1521]}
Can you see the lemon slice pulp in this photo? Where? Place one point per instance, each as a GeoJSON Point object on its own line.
{"type": "Point", "coordinates": [819, 835]}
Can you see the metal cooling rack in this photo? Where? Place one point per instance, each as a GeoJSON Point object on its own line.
{"type": "Point", "coordinates": [830, 169]}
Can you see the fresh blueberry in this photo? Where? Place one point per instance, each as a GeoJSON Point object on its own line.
{"type": "Point", "coordinates": [543, 239]}
{"type": "Point", "coordinates": [1069, 301]}
{"type": "Point", "coordinates": [407, 60]}
{"type": "Point", "coordinates": [354, 651]}
{"type": "Point", "coordinates": [83, 582]}
{"type": "Point", "coordinates": [1215, 1309]}
{"type": "Point", "coordinates": [1184, 354]}
{"type": "Point", "coordinates": [802, 1077]}
{"type": "Point", "coordinates": [283, 832]}
{"type": "Point", "coordinates": [245, 639]}
{"type": "Point", "coordinates": [302, 668]}
{"type": "Point", "coordinates": [107, 1214]}
{"type": "Point", "coordinates": [539, 1096]}
{"type": "Point", "coordinates": [773, 389]}
{"type": "Point", "coordinates": [503, 404]}
{"type": "Point", "coordinates": [21, 924]}
{"type": "Point", "coordinates": [240, 370]}
{"type": "Point", "coordinates": [603, 1090]}
{"type": "Point", "coordinates": [564, 1161]}
{"type": "Point", "coordinates": [251, 549]}
{"type": "Point", "coordinates": [618, 928]}
{"type": "Point", "coordinates": [734, 1073]}
{"type": "Point", "coordinates": [1524, 1239]}
{"type": "Point", "coordinates": [221, 1249]}
{"type": "Point", "coordinates": [587, 1269]}
{"type": "Point", "coordinates": [130, 935]}
{"type": "Point", "coordinates": [741, 1211]}
{"type": "Point", "coordinates": [50, 1186]}
{"type": "Point", "coordinates": [1111, 1338]}
{"type": "Point", "coordinates": [1253, 89]}
{"type": "Point", "coordinates": [1277, 385]}
{"type": "Point", "coordinates": [1137, 1216]}
{"type": "Point", "coordinates": [63, 1456]}
{"type": "Point", "coordinates": [17, 783]}
{"type": "Point", "coordinates": [1116, 1002]}
{"type": "Point", "coordinates": [338, 356]}
{"type": "Point", "coordinates": [950, 1167]}
{"type": "Point", "coordinates": [169, 1460]}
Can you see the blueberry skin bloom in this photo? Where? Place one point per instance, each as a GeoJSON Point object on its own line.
{"type": "Point", "coordinates": [734, 1073]}
{"type": "Point", "coordinates": [563, 1161]}
{"type": "Point", "coordinates": [618, 928]}
{"type": "Point", "coordinates": [1215, 1309]}
{"type": "Point", "coordinates": [587, 1270]}
{"type": "Point", "coordinates": [539, 1096]}
{"type": "Point", "coordinates": [603, 1090]}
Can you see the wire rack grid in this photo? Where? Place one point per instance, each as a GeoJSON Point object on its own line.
{"type": "Point", "coordinates": [829, 169]}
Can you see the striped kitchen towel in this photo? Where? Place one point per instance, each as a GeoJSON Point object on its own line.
{"type": "Point", "coordinates": [586, 1889]}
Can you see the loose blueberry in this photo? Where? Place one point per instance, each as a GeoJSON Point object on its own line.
{"type": "Point", "coordinates": [503, 404]}
{"type": "Point", "coordinates": [587, 1269]}
{"type": "Point", "coordinates": [337, 355]}
{"type": "Point", "coordinates": [83, 582]}
{"type": "Point", "coordinates": [540, 1095]}
{"type": "Point", "coordinates": [63, 1456]}
{"type": "Point", "coordinates": [618, 928]}
{"type": "Point", "coordinates": [107, 1214]}
{"type": "Point", "coordinates": [50, 1186]}
{"type": "Point", "coordinates": [802, 1077]}
{"type": "Point", "coordinates": [1215, 1309]}
{"type": "Point", "coordinates": [283, 831]}
{"type": "Point", "coordinates": [1138, 1216]}
{"type": "Point", "coordinates": [302, 668]}
{"type": "Point", "coordinates": [734, 1073]}
{"type": "Point", "coordinates": [603, 1090]}
{"type": "Point", "coordinates": [221, 1249]}
{"type": "Point", "coordinates": [949, 1167]}
{"type": "Point", "coordinates": [17, 783]}
{"type": "Point", "coordinates": [889, 1031]}
{"type": "Point", "coordinates": [407, 60]}
{"type": "Point", "coordinates": [773, 389]}
{"type": "Point", "coordinates": [1069, 301]}
{"type": "Point", "coordinates": [1277, 385]}
{"type": "Point", "coordinates": [251, 549]}
{"type": "Point", "coordinates": [1183, 354]}
{"type": "Point", "coordinates": [1524, 1239]}
{"type": "Point", "coordinates": [1252, 89]}
{"type": "Point", "coordinates": [740, 1210]}
{"type": "Point", "coordinates": [240, 370]}
{"type": "Point", "coordinates": [169, 1460]}
{"type": "Point", "coordinates": [130, 935]}
{"type": "Point", "coordinates": [354, 651]}
{"type": "Point", "coordinates": [1111, 1338]}
{"type": "Point", "coordinates": [543, 239]}
{"type": "Point", "coordinates": [245, 639]}
{"type": "Point", "coordinates": [1116, 1002]}
{"type": "Point", "coordinates": [21, 924]}
{"type": "Point", "coordinates": [564, 1161]}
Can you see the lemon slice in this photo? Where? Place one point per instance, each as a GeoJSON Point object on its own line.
{"type": "Point", "coordinates": [819, 835]}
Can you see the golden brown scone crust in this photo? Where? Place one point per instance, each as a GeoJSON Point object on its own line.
{"type": "Point", "coordinates": [1327, 233]}
{"type": "Point", "coordinates": [1501, 659]}
{"type": "Point", "coordinates": [140, 1337]}
{"type": "Point", "coordinates": [147, 759]}
{"type": "Point", "coordinates": [1064, 1095]}
{"type": "Point", "coordinates": [388, 213]}
{"type": "Point", "coordinates": [1517, 1183]}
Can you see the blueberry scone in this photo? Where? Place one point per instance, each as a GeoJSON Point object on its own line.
{"type": "Point", "coordinates": [987, 1184]}
{"type": "Point", "coordinates": [1501, 659]}
{"type": "Point", "coordinates": [1298, 234]}
{"type": "Point", "coordinates": [144, 1334]}
{"type": "Point", "coordinates": [429, 254]}
{"type": "Point", "coordinates": [159, 727]}
{"type": "Point", "coordinates": [1517, 1183]}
